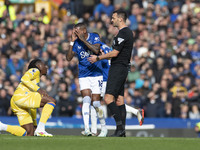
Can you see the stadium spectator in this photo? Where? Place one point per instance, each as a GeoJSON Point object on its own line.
{"type": "Point", "coordinates": [194, 113]}
{"type": "Point", "coordinates": [66, 105]}
{"type": "Point", "coordinates": [104, 7]}
{"type": "Point", "coordinates": [4, 102]}
{"type": "Point", "coordinates": [135, 11]}
{"type": "Point", "coordinates": [7, 10]}
{"type": "Point", "coordinates": [152, 105]}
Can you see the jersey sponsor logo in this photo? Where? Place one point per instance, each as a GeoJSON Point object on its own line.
{"type": "Point", "coordinates": [120, 40]}
{"type": "Point", "coordinates": [84, 54]}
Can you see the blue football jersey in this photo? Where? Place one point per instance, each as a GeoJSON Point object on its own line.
{"type": "Point", "coordinates": [105, 63]}
{"type": "Point", "coordinates": [86, 69]}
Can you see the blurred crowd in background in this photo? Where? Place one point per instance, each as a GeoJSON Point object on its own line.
{"type": "Point", "coordinates": [164, 77]}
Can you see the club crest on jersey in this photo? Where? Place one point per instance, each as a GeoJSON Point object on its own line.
{"type": "Point", "coordinates": [32, 71]}
{"type": "Point", "coordinates": [79, 47]}
{"type": "Point", "coordinates": [96, 38]}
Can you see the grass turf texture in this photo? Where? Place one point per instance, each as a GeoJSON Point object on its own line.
{"type": "Point", "coordinates": [10, 142]}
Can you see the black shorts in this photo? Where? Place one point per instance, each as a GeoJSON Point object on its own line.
{"type": "Point", "coordinates": [116, 79]}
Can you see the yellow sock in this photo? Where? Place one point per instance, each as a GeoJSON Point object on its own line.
{"type": "Point", "coordinates": [16, 130]}
{"type": "Point", "coordinates": [46, 112]}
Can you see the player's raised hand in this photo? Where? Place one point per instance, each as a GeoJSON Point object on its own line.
{"type": "Point", "coordinates": [80, 34]}
{"type": "Point", "coordinates": [74, 37]}
{"type": "Point", "coordinates": [92, 58]}
{"type": "Point", "coordinates": [42, 92]}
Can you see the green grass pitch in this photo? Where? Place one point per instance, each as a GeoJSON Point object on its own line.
{"type": "Point", "coordinates": [10, 142]}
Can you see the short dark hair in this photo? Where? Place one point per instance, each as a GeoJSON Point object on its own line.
{"type": "Point", "coordinates": [33, 63]}
{"type": "Point", "coordinates": [81, 25]}
{"type": "Point", "coordinates": [121, 13]}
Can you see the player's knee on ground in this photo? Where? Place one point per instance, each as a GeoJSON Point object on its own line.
{"type": "Point", "coordinates": [29, 130]}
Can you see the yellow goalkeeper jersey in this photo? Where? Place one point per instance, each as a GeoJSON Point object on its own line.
{"type": "Point", "coordinates": [29, 81]}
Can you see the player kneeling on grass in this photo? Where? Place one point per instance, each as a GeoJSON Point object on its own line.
{"type": "Point", "coordinates": [26, 99]}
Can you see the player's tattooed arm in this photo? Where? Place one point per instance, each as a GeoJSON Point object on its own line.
{"type": "Point", "coordinates": [70, 54]}
{"type": "Point", "coordinates": [94, 48]}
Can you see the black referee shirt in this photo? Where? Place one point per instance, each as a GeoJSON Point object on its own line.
{"type": "Point", "coordinates": [123, 42]}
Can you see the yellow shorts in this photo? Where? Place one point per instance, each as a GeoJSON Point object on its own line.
{"type": "Point", "coordinates": [21, 103]}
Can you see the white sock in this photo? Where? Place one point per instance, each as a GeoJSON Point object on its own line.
{"type": "Point", "coordinates": [40, 126]}
{"type": "Point", "coordinates": [93, 115]}
{"type": "Point", "coordinates": [85, 111]}
{"type": "Point", "coordinates": [131, 110]}
{"type": "Point", "coordinates": [100, 113]}
{"type": "Point", "coordinates": [3, 127]}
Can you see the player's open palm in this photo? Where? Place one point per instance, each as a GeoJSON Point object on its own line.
{"type": "Point", "coordinates": [74, 37]}
{"type": "Point", "coordinates": [79, 34]}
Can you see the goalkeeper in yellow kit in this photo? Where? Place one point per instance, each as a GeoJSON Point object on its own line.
{"type": "Point", "coordinates": [26, 99]}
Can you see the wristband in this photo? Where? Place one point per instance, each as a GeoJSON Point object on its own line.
{"type": "Point", "coordinates": [71, 43]}
{"type": "Point", "coordinates": [97, 58]}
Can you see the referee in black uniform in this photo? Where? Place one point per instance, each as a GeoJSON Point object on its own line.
{"type": "Point", "coordinates": [121, 54]}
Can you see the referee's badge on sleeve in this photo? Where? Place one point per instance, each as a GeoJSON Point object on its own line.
{"type": "Point", "coordinates": [120, 40]}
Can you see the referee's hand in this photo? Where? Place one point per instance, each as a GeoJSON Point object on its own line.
{"type": "Point", "coordinates": [92, 59]}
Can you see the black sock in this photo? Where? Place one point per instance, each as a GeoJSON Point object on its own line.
{"type": "Point", "coordinates": [116, 114]}
{"type": "Point", "coordinates": [122, 110]}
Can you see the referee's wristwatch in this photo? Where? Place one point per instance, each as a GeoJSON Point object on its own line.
{"type": "Point", "coordinates": [97, 58]}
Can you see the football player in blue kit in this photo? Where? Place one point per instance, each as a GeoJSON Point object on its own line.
{"type": "Point", "coordinates": [83, 44]}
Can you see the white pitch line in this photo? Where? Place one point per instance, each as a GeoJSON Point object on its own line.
{"type": "Point", "coordinates": [130, 127]}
